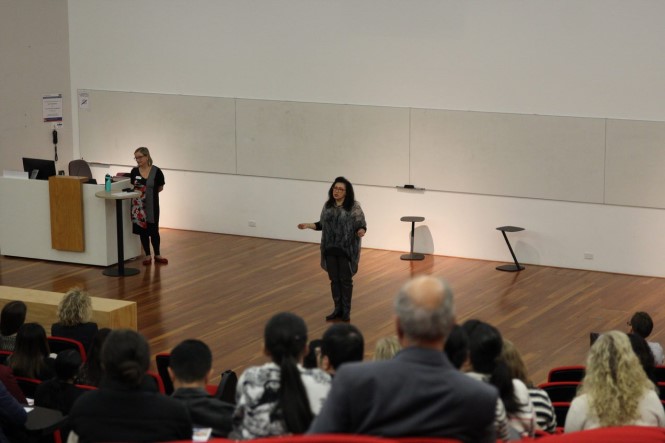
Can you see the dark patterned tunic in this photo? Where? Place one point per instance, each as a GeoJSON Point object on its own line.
{"type": "Point", "coordinates": [339, 232]}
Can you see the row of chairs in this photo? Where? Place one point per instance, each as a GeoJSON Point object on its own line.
{"type": "Point", "coordinates": [29, 385]}
{"type": "Point", "coordinates": [576, 373]}
{"type": "Point", "coordinates": [563, 383]}
{"type": "Point", "coordinates": [225, 390]}
{"type": "Point", "coordinates": [641, 434]}
{"type": "Point", "coordinates": [56, 345]}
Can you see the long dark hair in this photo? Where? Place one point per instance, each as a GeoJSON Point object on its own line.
{"type": "Point", "coordinates": [91, 373]}
{"type": "Point", "coordinates": [485, 345]}
{"type": "Point", "coordinates": [349, 196]}
{"type": "Point", "coordinates": [31, 352]}
{"type": "Point", "coordinates": [644, 355]}
{"type": "Point", "coordinates": [285, 337]}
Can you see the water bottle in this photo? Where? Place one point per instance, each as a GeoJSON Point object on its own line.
{"type": "Point", "coordinates": [107, 183]}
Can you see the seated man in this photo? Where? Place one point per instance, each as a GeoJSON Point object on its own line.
{"type": "Point", "coordinates": [418, 392]}
{"type": "Point", "coordinates": [341, 343]}
{"type": "Point", "coordinates": [190, 367]}
{"type": "Point", "coordinates": [642, 325]}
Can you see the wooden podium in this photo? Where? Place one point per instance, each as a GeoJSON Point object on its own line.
{"type": "Point", "coordinates": [66, 200]}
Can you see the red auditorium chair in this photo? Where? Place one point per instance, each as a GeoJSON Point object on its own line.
{"type": "Point", "coordinates": [325, 438]}
{"type": "Point", "coordinates": [624, 434]}
{"type": "Point", "coordinates": [566, 373]}
{"type": "Point", "coordinates": [58, 344]}
{"type": "Point", "coordinates": [560, 390]}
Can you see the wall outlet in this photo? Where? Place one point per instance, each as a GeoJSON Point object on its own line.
{"type": "Point", "coordinates": [588, 256]}
{"type": "Point", "coordinates": [251, 224]}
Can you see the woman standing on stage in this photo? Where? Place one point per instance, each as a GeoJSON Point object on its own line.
{"type": "Point", "coordinates": [149, 181]}
{"type": "Point", "coordinates": [342, 223]}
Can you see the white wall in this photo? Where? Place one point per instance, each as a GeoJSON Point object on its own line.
{"type": "Point", "coordinates": [598, 58]}
{"type": "Point", "coordinates": [34, 50]}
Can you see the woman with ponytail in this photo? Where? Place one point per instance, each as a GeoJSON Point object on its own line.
{"type": "Point", "coordinates": [121, 409]}
{"type": "Point", "coordinates": [485, 346]}
{"type": "Point", "coordinates": [280, 397]}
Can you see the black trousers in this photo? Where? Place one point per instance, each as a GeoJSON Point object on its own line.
{"type": "Point", "coordinates": [150, 235]}
{"type": "Point", "coordinates": [341, 283]}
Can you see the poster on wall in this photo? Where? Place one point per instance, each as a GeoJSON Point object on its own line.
{"type": "Point", "coordinates": [84, 99]}
{"type": "Point", "coordinates": [52, 107]}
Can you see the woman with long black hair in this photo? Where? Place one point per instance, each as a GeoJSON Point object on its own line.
{"type": "Point", "coordinates": [342, 223]}
{"type": "Point", "coordinates": [280, 397]}
{"type": "Point", "coordinates": [487, 365]}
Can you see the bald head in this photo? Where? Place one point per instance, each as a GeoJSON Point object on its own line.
{"type": "Point", "coordinates": [424, 309]}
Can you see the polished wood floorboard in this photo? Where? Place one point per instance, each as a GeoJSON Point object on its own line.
{"type": "Point", "coordinates": [223, 288]}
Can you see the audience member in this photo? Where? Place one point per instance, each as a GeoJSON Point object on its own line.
{"type": "Point", "coordinates": [190, 367]}
{"type": "Point", "coordinates": [313, 356]}
{"type": "Point", "coordinates": [485, 345]}
{"type": "Point", "coordinates": [457, 347]}
{"type": "Point", "coordinates": [644, 355]}
{"type": "Point", "coordinates": [59, 392]}
{"type": "Point", "coordinates": [642, 325]}
{"type": "Point", "coordinates": [7, 378]}
{"type": "Point", "coordinates": [615, 390]}
{"type": "Point", "coordinates": [342, 343]}
{"type": "Point", "coordinates": [417, 393]}
{"type": "Point", "coordinates": [280, 397]}
{"type": "Point", "coordinates": [31, 357]}
{"type": "Point", "coordinates": [74, 313]}
{"type": "Point", "coordinates": [91, 372]}
{"type": "Point", "coordinates": [386, 348]}
{"type": "Point", "coordinates": [120, 410]}
{"type": "Point", "coordinates": [12, 318]}
{"type": "Point", "coordinates": [542, 405]}
{"type": "Point", "coordinates": [12, 417]}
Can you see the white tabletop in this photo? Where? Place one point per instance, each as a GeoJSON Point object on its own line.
{"type": "Point", "coordinates": [117, 195]}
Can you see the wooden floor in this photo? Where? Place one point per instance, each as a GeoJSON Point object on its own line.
{"type": "Point", "coordinates": [223, 288]}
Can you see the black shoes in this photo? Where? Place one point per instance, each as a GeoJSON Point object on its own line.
{"type": "Point", "coordinates": [334, 315]}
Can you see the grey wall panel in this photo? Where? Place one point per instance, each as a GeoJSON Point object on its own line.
{"type": "Point", "coordinates": [182, 132]}
{"type": "Point", "coordinates": [315, 141]}
{"type": "Point", "coordinates": [558, 158]}
{"type": "Point", "coordinates": [635, 163]}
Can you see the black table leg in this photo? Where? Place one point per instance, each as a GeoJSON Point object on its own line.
{"type": "Point", "coordinates": [412, 255]}
{"type": "Point", "coordinates": [510, 268]}
{"type": "Point", "coordinates": [120, 270]}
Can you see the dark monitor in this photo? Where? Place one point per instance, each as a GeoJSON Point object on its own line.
{"type": "Point", "coordinates": [44, 168]}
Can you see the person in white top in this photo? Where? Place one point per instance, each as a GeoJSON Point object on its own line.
{"type": "Point", "coordinates": [642, 325]}
{"type": "Point", "coordinates": [542, 405]}
{"type": "Point", "coordinates": [280, 397]}
{"type": "Point", "coordinates": [615, 391]}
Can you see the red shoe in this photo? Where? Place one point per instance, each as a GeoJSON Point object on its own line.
{"type": "Point", "coordinates": [161, 260]}
{"type": "Point", "coordinates": [147, 261]}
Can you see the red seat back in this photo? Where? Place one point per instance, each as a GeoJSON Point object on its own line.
{"type": "Point", "coordinates": [58, 344]}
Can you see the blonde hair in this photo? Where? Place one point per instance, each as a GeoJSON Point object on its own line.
{"type": "Point", "coordinates": [511, 356]}
{"type": "Point", "coordinates": [74, 308]}
{"type": "Point", "coordinates": [144, 151]}
{"type": "Point", "coordinates": [386, 348]}
{"type": "Point", "coordinates": [615, 381]}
